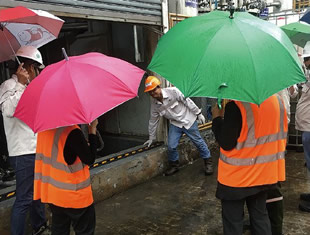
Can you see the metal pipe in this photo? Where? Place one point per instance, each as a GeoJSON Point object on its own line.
{"type": "Point", "coordinates": [276, 4]}
{"type": "Point", "coordinates": [135, 36]}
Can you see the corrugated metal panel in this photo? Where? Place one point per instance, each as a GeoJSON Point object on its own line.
{"type": "Point", "coordinates": [144, 11]}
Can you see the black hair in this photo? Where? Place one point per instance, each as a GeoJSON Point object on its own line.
{"type": "Point", "coordinates": [27, 62]}
{"type": "Point", "coordinates": [306, 59]}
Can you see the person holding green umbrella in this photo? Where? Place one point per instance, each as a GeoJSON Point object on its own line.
{"type": "Point", "coordinates": [251, 160]}
{"type": "Point", "coordinates": [233, 56]}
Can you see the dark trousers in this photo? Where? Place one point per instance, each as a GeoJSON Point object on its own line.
{"type": "Point", "coordinates": [83, 220]}
{"type": "Point", "coordinates": [24, 169]}
{"type": "Point", "coordinates": [275, 210]}
{"type": "Point", "coordinates": [233, 214]}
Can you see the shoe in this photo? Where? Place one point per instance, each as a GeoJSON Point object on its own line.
{"type": "Point", "coordinates": [173, 168]}
{"type": "Point", "coordinates": [305, 197]}
{"type": "Point", "coordinates": [208, 166]}
{"type": "Point", "coordinates": [43, 230]}
{"type": "Point", "coordinates": [304, 206]}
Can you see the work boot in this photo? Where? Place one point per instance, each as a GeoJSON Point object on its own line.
{"type": "Point", "coordinates": [305, 197]}
{"type": "Point", "coordinates": [208, 166]}
{"type": "Point", "coordinates": [172, 168]}
{"type": "Point", "coordinates": [304, 206]}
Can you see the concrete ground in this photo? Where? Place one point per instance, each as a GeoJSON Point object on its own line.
{"type": "Point", "coordinates": [185, 204]}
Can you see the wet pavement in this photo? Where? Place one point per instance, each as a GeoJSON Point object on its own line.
{"type": "Point", "coordinates": [185, 204]}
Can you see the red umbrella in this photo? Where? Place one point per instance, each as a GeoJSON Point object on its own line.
{"type": "Point", "coordinates": [77, 91]}
{"type": "Point", "coordinates": [22, 26]}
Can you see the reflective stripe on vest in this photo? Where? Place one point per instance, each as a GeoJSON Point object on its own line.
{"type": "Point", "coordinates": [252, 161]}
{"type": "Point", "coordinates": [58, 165]}
{"type": "Point", "coordinates": [251, 141]}
{"type": "Point", "coordinates": [62, 185]}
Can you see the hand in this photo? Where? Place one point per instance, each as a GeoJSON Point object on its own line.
{"type": "Point", "coordinates": [216, 112]}
{"type": "Point", "coordinates": [201, 119]}
{"type": "Point", "coordinates": [22, 75]}
{"type": "Point", "coordinates": [92, 127]}
{"type": "Point", "coordinates": [148, 143]}
{"type": "Point", "coordinates": [293, 91]}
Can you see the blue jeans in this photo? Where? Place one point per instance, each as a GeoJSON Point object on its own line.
{"type": "Point", "coordinates": [175, 133]}
{"type": "Point", "coordinates": [306, 144]}
{"type": "Point", "coordinates": [24, 169]}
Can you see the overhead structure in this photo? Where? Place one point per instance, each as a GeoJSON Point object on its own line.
{"type": "Point", "coordinates": [134, 11]}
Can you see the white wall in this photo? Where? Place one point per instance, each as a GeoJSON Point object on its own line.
{"type": "Point", "coordinates": [178, 7]}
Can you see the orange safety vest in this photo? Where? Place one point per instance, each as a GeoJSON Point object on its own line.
{"type": "Point", "coordinates": [55, 181]}
{"type": "Point", "coordinates": [258, 157]}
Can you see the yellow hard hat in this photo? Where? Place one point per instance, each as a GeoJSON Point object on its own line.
{"type": "Point", "coordinates": [151, 83]}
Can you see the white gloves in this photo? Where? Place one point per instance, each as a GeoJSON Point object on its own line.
{"type": "Point", "coordinates": [201, 119]}
{"type": "Point", "coordinates": [148, 143]}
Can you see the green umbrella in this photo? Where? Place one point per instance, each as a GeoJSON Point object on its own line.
{"type": "Point", "coordinates": [242, 58]}
{"type": "Point", "coordinates": [299, 33]}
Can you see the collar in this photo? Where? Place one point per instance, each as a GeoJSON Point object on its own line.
{"type": "Point", "coordinates": [14, 76]}
{"type": "Point", "coordinates": [164, 92]}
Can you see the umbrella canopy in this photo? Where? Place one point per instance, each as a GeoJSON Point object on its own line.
{"type": "Point", "coordinates": [77, 91]}
{"type": "Point", "coordinates": [21, 26]}
{"type": "Point", "coordinates": [299, 33]}
{"type": "Point", "coordinates": [242, 58]}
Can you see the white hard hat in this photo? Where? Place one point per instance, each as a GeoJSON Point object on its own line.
{"type": "Point", "coordinates": [32, 53]}
{"type": "Point", "coordinates": [306, 51]}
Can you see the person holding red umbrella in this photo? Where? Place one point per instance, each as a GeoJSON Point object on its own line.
{"type": "Point", "coordinates": [21, 142]}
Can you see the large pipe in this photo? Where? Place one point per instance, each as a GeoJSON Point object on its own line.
{"type": "Point", "coordinates": [276, 4]}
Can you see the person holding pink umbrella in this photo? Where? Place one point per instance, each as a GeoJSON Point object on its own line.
{"type": "Point", "coordinates": [62, 177]}
{"type": "Point", "coordinates": [21, 142]}
{"type": "Point", "coordinates": [73, 91]}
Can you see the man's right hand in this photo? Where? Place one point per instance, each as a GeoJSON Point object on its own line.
{"type": "Point", "coordinates": [148, 143]}
{"type": "Point", "coordinates": [22, 75]}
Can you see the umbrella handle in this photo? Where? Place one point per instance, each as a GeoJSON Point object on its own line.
{"type": "Point", "coordinates": [219, 99]}
{"type": "Point", "coordinates": [219, 103]}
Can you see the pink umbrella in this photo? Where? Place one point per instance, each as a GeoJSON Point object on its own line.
{"type": "Point", "coordinates": [21, 26]}
{"type": "Point", "coordinates": [77, 91]}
